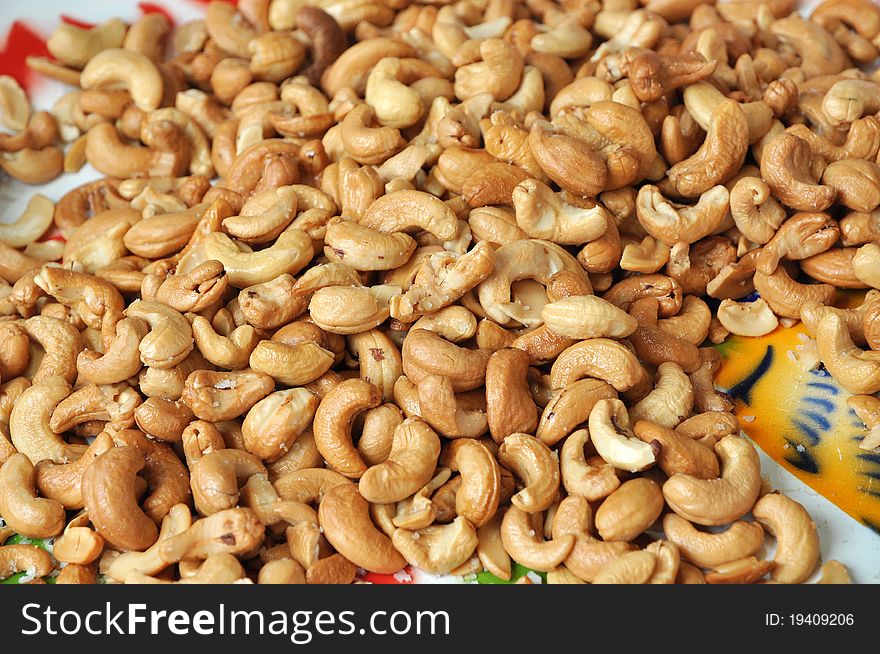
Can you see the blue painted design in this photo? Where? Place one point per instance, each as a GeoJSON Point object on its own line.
{"type": "Point", "coordinates": [825, 387]}
{"type": "Point", "coordinates": [818, 418]}
{"type": "Point", "coordinates": [743, 390]}
{"type": "Point", "coordinates": [821, 402]}
{"type": "Point", "coordinates": [808, 431]}
{"type": "Point", "coordinates": [802, 460]}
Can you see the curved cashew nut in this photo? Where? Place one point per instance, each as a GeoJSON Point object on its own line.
{"type": "Point", "coordinates": [797, 540]}
{"type": "Point", "coordinates": [218, 396]}
{"type": "Point", "coordinates": [747, 318]}
{"type": "Point", "coordinates": [709, 550]}
{"type": "Point", "coordinates": [755, 211]}
{"type": "Point", "coordinates": [720, 156]}
{"type": "Point", "coordinates": [678, 453]}
{"type": "Point", "coordinates": [587, 316]}
{"type": "Point", "coordinates": [857, 370]}
{"type": "Point", "coordinates": [785, 166]}
{"type": "Point", "coordinates": [672, 399]}
{"type": "Point", "coordinates": [288, 254]}
{"type": "Point", "coordinates": [579, 476]}
{"type": "Point", "coordinates": [332, 425]}
{"type": "Point", "coordinates": [609, 430]}
{"type": "Point", "coordinates": [29, 427]}
{"type": "Point", "coordinates": [437, 549]}
{"type": "Point", "coordinates": [21, 558]}
{"type": "Point", "coordinates": [541, 213]}
{"type": "Point", "coordinates": [108, 488]}
{"type": "Point", "coordinates": [170, 338]}
{"type": "Point", "coordinates": [589, 555]}
{"type": "Point", "coordinates": [132, 70]}
{"type": "Point", "coordinates": [672, 223]}
{"type": "Point", "coordinates": [602, 359]}
{"type": "Point", "coordinates": [29, 515]}
{"type": "Point", "coordinates": [31, 224]}
{"type": "Point", "coordinates": [121, 360]}
{"type": "Point", "coordinates": [113, 403]}
{"type": "Point", "coordinates": [446, 413]}
{"type": "Point", "coordinates": [479, 493]}
{"type": "Point", "coordinates": [527, 546]}
{"type": "Point", "coordinates": [274, 423]}
{"type": "Point", "coordinates": [533, 462]}
{"type": "Point", "coordinates": [723, 500]}
{"type": "Point", "coordinates": [345, 518]}
{"type": "Point", "coordinates": [216, 478]}
{"type": "Point", "coordinates": [60, 341]}
{"type": "Point", "coordinates": [63, 482]}
{"type": "Point", "coordinates": [409, 466]}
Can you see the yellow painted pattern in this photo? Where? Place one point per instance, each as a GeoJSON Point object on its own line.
{"type": "Point", "coordinates": [801, 420]}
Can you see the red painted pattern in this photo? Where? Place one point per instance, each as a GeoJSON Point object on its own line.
{"type": "Point", "coordinates": [376, 578]}
{"type": "Point", "coordinates": [151, 8]}
{"type": "Point", "coordinates": [76, 22]}
{"type": "Point", "coordinates": [21, 42]}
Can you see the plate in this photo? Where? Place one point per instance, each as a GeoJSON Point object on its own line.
{"type": "Point", "coordinates": [807, 438]}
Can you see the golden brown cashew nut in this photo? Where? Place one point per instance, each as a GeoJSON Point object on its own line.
{"type": "Point", "coordinates": [819, 51]}
{"type": "Point", "coordinates": [797, 548]}
{"type": "Point", "coordinates": [76, 46]}
{"type": "Point", "coordinates": [533, 462]}
{"type": "Point", "coordinates": [747, 318]}
{"type": "Point", "coordinates": [453, 417]}
{"type": "Point", "coordinates": [629, 510]}
{"type": "Point", "coordinates": [288, 254]}
{"type": "Point", "coordinates": [864, 263]}
{"type": "Point", "coordinates": [113, 403]}
{"type": "Point", "coordinates": [20, 506]}
{"type": "Point", "coordinates": [785, 166]}
{"type": "Point", "coordinates": [786, 296]}
{"type": "Point", "coordinates": [857, 370]}
{"type": "Point", "coordinates": [587, 316]}
{"type": "Point", "coordinates": [216, 478]}
{"type": "Point", "coordinates": [288, 364]}
{"type": "Point", "coordinates": [527, 546]}
{"type": "Point", "coordinates": [609, 430]}
{"type": "Point", "coordinates": [672, 399]}
{"type": "Point", "coordinates": [345, 518]}
{"type": "Point", "coordinates": [134, 71]}
{"type": "Point", "coordinates": [234, 531]}
{"type": "Point", "coordinates": [218, 396]}
{"type": "Point", "coordinates": [166, 476]}
{"type": "Point", "coordinates": [29, 427]}
{"type": "Point", "coordinates": [170, 338]}
{"type": "Point", "coordinates": [490, 549]}
{"type": "Point", "coordinates": [108, 488]}
{"type": "Point", "coordinates": [678, 453]}
{"type": "Point", "coordinates": [710, 550]}
{"type": "Point", "coordinates": [629, 568]}
{"type": "Point", "coordinates": [589, 555]}
{"type": "Point", "coordinates": [25, 558]}
{"type": "Point", "coordinates": [723, 500]}
{"type": "Point", "coordinates": [15, 355]}
{"type": "Point", "coordinates": [231, 351]}
{"type": "Point", "coordinates": [427, 353]}
{"type": "Point", "coordinates": [509, 404]}
{"type": "Point", "coordinates": [415, 449]}
{"type": "Point", "coordinates": [332, 424]}
{"type": "Point", "coordinates": [92, 298]}
{"type": "Point", "coordinates": [121, 360]}
{"type": "Point", "coordinates": [541, 213]}
{"type": "Point", "coordinates": [437, 549]}
{"type": "Point", "coordinates": [363, 248]}
{"type": "Point", "coordinates": [721, 155]}
{"type": "Point", "coordinates": [149, 562]}
{"type": "Point", "coordinates": [63, 482]}
{"type": "Point", "coordinates": [672, 223]}
{"type": "Point", "coordinates": [579, 476]}
{"type": "Point", "coordinates": [61, 343]}
{"type": "Point", "coordinates": [274, 423]}
{"type": "Point", "coordinates": [479, 492]}
{"type": "Point", "coordinates": [407, 211]}
{"type": "Point", "coordinates": [30, 225]}
{"type": "Point", "coordinates": [380, 360]}
{"type": "Point", "coordinates": [365, 307]}
{"type": "Point", "coordinates": [602, 359]}
{"type": "Point", "coordinates": [755, 211]}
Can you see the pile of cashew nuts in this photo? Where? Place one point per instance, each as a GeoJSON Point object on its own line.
{"type": "Point", "coordinates": [369, 283]}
